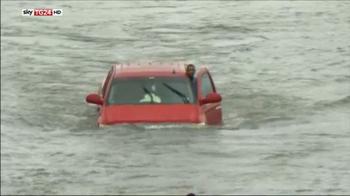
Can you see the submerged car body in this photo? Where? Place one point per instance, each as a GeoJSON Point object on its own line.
{"type": "Point", "coordinates": [156, 94]}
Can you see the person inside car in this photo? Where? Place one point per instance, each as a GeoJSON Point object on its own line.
{"type": "Point", "coordinates": [150, 95]}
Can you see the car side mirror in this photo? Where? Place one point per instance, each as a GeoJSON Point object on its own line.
{"type": "Point", "coordinates": [94, 98]}
{"type": "Point", "coordinates": [211, 98]}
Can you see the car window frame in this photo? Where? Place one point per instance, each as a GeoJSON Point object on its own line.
{"type": "Point", "coordinates": [205, 73]}
{"type": "Point", "coordinates": [106, 83]}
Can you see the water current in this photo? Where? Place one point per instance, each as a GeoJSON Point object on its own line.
{"type": "Point", "coordinates": [282, 68]}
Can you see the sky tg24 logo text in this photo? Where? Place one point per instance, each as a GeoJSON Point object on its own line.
{"type": "Point", "coordinates": [42, 12]}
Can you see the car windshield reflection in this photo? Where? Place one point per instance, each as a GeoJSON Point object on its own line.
{"type": "Point", "coordinates": [151, 90]}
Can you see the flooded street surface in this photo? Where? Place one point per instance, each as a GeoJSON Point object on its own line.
{"type": "Point", "coordinates": [282, 68]}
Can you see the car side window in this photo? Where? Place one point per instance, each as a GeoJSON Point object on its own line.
{"type": "Point", "coordinates": [106, 82]}
{"type": "Point", "coordinates": [206, 85]}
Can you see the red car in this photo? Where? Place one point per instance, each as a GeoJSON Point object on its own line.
{"type": "Point", "coordinates": [157, 94]}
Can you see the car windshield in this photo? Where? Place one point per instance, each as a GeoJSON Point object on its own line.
{"type": "Point", "coordinates": [151, 90]}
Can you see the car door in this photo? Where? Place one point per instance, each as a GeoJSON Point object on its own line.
{"type": "Point", "coordinates": [212, 111]}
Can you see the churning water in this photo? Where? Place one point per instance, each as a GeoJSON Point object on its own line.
{"type": "Point", "coordinates": [282, 67]}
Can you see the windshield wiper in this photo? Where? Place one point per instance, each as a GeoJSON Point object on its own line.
{"type": "Point", "coordinates": [149, 93]}
{"type": "Point", "coordinates": [180, 94]}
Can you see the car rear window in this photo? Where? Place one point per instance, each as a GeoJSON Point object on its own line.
{"type": "Point", "coordinates": [151, 90]}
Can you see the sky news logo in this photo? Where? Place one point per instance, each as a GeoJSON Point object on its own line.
{"type": "Point", "coordinates": [42, 12]}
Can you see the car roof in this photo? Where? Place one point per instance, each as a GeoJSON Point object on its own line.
{"type": "Point", "coordinates": [149, 69]}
